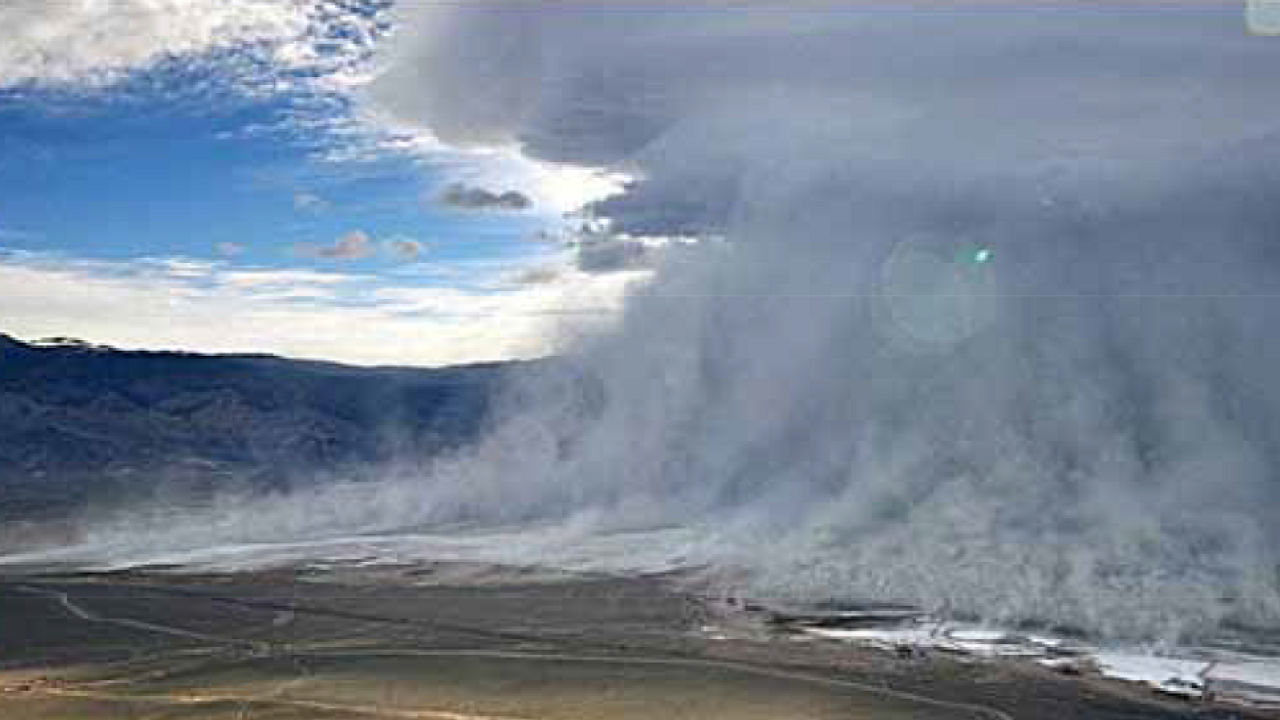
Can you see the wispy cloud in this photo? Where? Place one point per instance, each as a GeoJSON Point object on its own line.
{"type": "Point", "coordinates": [309, 202]}
{"type": "Point", "coordinates": [229, 249]}
{"type": "Point", "coordinates": [355, 245]}
{"type": "Point", "coordinates": [259, 45]}
{"type": "Point", "coordinates": [359, 245]}
{"type": "Point", "coordinates": [8, 233]}
{"type": "Point", "coordinates": [403, 247]}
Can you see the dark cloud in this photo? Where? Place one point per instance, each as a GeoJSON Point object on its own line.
{"type": "Point", "coordinates": [699, 202]}
{"type": "Point", "coordinates": [613, 254]}
{"type": "Point", "coordinates": [466, 197]}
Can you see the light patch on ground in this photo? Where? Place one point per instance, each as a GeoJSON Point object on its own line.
{"type": "Point", "coordinates": [1188, 672]}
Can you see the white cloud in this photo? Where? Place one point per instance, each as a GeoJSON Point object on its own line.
{"type": "Point", "coordinates": [355, 245]}
{"type": "Point", "coordinates": [264, 278]}
{"type": "Point", "coordinates": [229, 249]}
{"type": "Point", "coordinates": [83, 41]}
{"type": "Point", "coordinates": [210, 307]}
{"type": "Point", "coordinates": [183, 267]}
{"type": "Point", "coordinates": [90, 43]}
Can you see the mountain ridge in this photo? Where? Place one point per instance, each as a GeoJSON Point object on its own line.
{"type": "Point", "coordinates": [80, 423]}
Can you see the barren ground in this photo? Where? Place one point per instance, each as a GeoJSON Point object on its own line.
{"type": "Point", "coordinates": [453, 642]}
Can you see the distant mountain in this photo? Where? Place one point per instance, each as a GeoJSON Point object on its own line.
{"type": "Point", "coordinates": [81, 421]}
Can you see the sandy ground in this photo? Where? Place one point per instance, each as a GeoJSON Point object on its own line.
{"type": "Point", "coordinates": [456, 641]}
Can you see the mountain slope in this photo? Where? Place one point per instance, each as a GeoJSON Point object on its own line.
{"type": "Point", "coordinates": [79, 421]}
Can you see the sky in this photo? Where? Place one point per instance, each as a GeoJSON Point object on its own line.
{"type": "Point", "coordinates": [207, 175]}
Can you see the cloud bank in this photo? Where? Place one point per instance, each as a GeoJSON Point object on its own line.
{"type": "Point", "coordinates": [989, 330]}
{"type": "Point", "coordinates": [323, 314]}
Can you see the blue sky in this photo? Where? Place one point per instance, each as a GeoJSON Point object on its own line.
{"type": "Point", "coordinates": [151, 175]}
{"type": "Point", "coordinates": [207, 176]}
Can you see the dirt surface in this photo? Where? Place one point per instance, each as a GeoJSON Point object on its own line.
{"type": "Point", "coordinates": [459, 643]}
